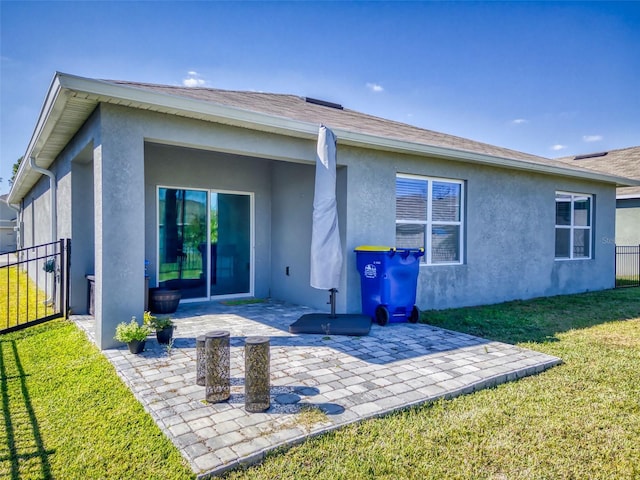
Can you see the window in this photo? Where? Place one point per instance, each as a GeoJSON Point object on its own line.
{"type": "Point", "coordinates": [429, 215]}
{"type": "Point", "coordinates": [573, 225]}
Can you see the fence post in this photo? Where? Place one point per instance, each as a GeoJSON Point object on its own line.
{"type": "Point", "coordinates": [67, 304]}
{"type": "Point", "coordinates": [615, 266]}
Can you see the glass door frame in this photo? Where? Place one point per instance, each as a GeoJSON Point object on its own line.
{"type": "Point", "coordinates": [252, 242]}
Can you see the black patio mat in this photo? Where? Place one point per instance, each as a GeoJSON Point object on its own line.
{"type": "Point", "coordinates": [342, 324]}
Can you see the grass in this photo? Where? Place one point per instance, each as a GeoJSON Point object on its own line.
{"type": "Point", "coordinates": [66, 414]}
{"type": "Point", "coordinates": [242, 301]}
{"type": "Point", "coordinates": [578, 420]}
{"type": "Point", "coordinates": [23, 302]}
{"type": "Point", "coordinates": [627, 281]}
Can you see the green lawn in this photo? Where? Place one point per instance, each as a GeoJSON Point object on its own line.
{"type": "Point", "coordinates": [66, 414]}
{"type": "Point", "coordinates": [576, 421]}
{"type": "Point", "coordinates": [21, 304]}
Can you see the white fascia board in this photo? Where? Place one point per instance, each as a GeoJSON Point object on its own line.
{"type": "Point", "coordinates": [190, 106]}
{"type": "Point", "coordinates": [402, 146]}
{"type": "Point", "coordinates": [51, 110]}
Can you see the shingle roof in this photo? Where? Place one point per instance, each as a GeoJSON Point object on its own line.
{"type": "Point", "coordinates": [297, 108]}
{"type": "Point", "coordinates": [624, 162]}
{"type": "Point", "coordinates": [72, 99]}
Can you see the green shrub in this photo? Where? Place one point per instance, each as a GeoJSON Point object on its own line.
{"type": "Point", "coordinates": [157, 323]}
{"type": "Point", "coordinates": [128, 332]}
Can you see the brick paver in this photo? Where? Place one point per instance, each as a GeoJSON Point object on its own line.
{"type": "Point", "coordinates": [347, 378]}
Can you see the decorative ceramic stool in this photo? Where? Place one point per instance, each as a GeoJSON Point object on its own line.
{"type": "Point", "coordinates": [218, 366]}
{"type": "Point", "coordinates": [256, 372]}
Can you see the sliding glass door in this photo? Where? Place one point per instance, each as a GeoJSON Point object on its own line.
{"type": "Point", "coordinates": [230, 243]}
{"type": "Point", "coordinates": [204, 242]}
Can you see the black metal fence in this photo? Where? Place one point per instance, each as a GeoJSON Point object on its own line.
{"type": "Point", "coordinates": [34, 286]}
{"type": "Point", "coordinates": [627, 266]}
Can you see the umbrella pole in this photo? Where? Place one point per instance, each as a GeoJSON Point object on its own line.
{"type": "Point", "coordinates": [332, 301]}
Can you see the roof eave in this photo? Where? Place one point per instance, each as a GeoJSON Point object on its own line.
{"type": "Point", "coordinates": [628, 196]}
{"type": "Point", "coordinates": [51, 111]}
{"type": "Point", "coordinates": [103, 91]}
{"type": "Point", "coordinates": [402, 146]}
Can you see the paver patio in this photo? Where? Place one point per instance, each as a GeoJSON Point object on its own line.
{"type": "Point", "coordinates": [347, 378]}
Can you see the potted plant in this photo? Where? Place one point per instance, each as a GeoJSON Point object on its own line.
{"type": "Point", "coordinates": [133, 334]}
{"type": "Point", "coordinates": [163, 326]}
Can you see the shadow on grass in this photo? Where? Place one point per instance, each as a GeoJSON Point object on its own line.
{"type": "Point", "coordinates": [539, 320]}
{"type": "Point", "coordinates": [17, 409]}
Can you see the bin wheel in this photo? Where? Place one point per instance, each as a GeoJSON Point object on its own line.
{"type": "Point", "coordinates": [382, 315]}
{"type": "Point", "coordinates": [415, 315]}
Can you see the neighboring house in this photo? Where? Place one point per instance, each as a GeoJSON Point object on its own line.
{"type": "Point", "coordinates": [8, 236]}
{"type": "Point", "coordinates": [215, 189]}
{"type": "Point", "coordinates": [626, 163]}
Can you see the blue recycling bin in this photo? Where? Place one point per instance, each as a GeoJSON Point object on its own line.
{"type": "Point", "coordinates": [389, 279]}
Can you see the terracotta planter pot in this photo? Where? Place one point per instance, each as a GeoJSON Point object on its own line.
{"type": "Point", "coordinates": [163, 300]}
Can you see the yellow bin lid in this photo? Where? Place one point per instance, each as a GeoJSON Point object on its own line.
{"type": "Point", "coordinates": [373, 248]}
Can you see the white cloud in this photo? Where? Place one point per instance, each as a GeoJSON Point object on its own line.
{"type": "Point", "coordinates": [374, 87]}
{"type": "Point", "coordinates": [519, 121]}
{"type": "Point", "coordinates": [193, 80]}
{"type": "Point", "coordinates": [557, 147]}
{"type": "Point", "coordinates": [592, 138]}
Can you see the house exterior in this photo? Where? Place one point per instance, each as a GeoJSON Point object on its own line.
{"type": "Point", "coordinates": [624, 162]}
{"type": "Point", "coordinates": [8, 237]}
{"type": "Point", "coordinates": [214, 189]}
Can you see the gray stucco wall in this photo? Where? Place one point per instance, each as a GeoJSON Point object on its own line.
{"type": "Point", "coordinates": [509, 231]}
{"type": "Point", "coordinates": [293, 192]}
{"type": "Point", "coordinates": [127, 154]}
{"type": "Point", "coordinates": [283, 195]}
{"type": "Point", "coordinates": [8, 238]}
{"type": "Point", "coordinates": [628, 221]}
{"type": "Point", "coordinates": [169, 166]}
{"type": "Point", "coordinates": [36, 230]}
{"type": "Point", "coordinates": [36, 215]}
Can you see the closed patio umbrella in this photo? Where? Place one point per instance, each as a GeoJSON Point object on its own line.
{"type": "Point", "coordinates": [326, 250]}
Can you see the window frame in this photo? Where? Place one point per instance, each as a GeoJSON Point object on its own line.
{"type": "Point", "coordinates": [572, 227]}
{"type": "Point", "coordinates": [252, 242]}
{"type": "Point", "coordinates": [428, 224]}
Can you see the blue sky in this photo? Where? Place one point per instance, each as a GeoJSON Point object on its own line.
{"type": "Point", "coordinates": [547, 78]}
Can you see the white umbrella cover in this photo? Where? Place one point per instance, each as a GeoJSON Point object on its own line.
{"type": "Point", "coordinates": [326, 250]}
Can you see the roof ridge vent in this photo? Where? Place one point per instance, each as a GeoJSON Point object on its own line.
{"type": "Point", "coordinates": [590, 155]}
{"type": "Point", "coordinates": [323, 103]}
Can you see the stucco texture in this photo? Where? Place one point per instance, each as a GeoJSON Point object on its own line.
{"type": "Point", "coordinates": [127, 154]}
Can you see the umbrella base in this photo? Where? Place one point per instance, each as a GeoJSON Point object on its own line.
{"type": "Point", "coordinates": [322, 323]}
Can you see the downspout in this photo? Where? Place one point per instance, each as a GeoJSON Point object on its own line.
{"type": "Point", "coordinates": [54, 217]}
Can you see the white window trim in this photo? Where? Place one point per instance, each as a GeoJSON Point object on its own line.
{"type": "Point", "coordinates": [571, 227]}
{"type": "Point", "coordinates": [429, 223]}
